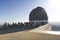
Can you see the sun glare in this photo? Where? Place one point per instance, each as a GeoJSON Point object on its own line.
{"type": "Point", "coordinates": [54, 10]}
{"type": "Point", "coordinates": [55, 3]}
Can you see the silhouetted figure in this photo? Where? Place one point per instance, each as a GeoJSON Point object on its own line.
{"type": "Point", "coordinates": [5, 24]}
{"type": "Point", "coordinates": [19, 24]}
{"type": "Point", "coordinates": [22, 24]}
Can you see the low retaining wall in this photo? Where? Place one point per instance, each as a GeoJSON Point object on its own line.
{"type": "Point", "coordinates": [46, 27]}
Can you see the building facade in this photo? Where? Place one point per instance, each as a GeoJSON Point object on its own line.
{"type": "Point", "coordinates": [38, 16]}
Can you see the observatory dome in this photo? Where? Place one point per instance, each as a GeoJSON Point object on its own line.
{"type": "Point", "coordinates": [38, 13]}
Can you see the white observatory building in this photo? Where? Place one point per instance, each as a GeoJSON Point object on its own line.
{"type": "Point", "coordinates": [38, 16]}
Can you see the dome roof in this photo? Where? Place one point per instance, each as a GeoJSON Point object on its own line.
{"type": "Point", "coordinates": [38, 13]}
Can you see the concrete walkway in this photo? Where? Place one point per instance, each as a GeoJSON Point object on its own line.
{"type": "Point", "coordinates": [34, 34]}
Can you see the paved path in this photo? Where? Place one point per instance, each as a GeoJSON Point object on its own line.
{"type": "Point", "coordinates": [32, 35]}
{"type": "Point", "coordinates": [29, 36]}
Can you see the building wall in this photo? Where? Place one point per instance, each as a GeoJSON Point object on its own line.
{"type": "Point", "coordinates": [39, 22]}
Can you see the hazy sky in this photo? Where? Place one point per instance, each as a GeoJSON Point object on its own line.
{"type": "Point", "coordinates": [18, 10]}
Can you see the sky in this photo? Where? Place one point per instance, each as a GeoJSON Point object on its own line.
{"type": "Point", "coordinates": [19, 10]}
